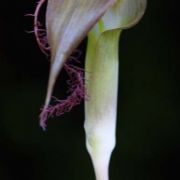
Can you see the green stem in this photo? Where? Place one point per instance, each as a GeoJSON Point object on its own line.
{"type": "Point", "coordinates": [100, 109]}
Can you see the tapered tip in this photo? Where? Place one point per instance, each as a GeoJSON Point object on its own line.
{"type": "Point", "coordinates": [55, 69]}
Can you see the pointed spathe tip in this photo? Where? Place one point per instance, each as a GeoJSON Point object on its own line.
{"type": "Point", "coordinates": [55, 69]}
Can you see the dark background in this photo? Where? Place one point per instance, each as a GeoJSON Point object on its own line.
{"type": "Point", "coordinates": [148, 139]}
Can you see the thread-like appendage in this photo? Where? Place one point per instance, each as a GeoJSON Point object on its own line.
{"type": "Point", "coordinates": [76, 94]}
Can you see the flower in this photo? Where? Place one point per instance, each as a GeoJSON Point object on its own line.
{"type": "Point", "coordinates": [67, 23]}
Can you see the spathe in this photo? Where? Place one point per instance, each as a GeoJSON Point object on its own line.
{"type": "Point", "coordinates": [101, 69]}
{"type": "Point", "coordinates": [67, 23]}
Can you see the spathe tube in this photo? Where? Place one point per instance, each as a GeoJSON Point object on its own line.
{"type": "Point", "coordinates": [102, 61]}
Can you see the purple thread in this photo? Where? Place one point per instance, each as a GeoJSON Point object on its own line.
{"type": "Point", "coordinates": [39, 32]}
{"type": "Point", "coordinates": [77, 93]}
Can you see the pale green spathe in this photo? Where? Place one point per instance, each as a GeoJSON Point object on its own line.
{"type": "Point", "coordinates": [102, 81]}
{"type": "Point", "coordinates": [102, 85]}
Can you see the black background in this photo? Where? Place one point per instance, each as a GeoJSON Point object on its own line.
{"type": "Point", "coordinates": [148, 139]}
